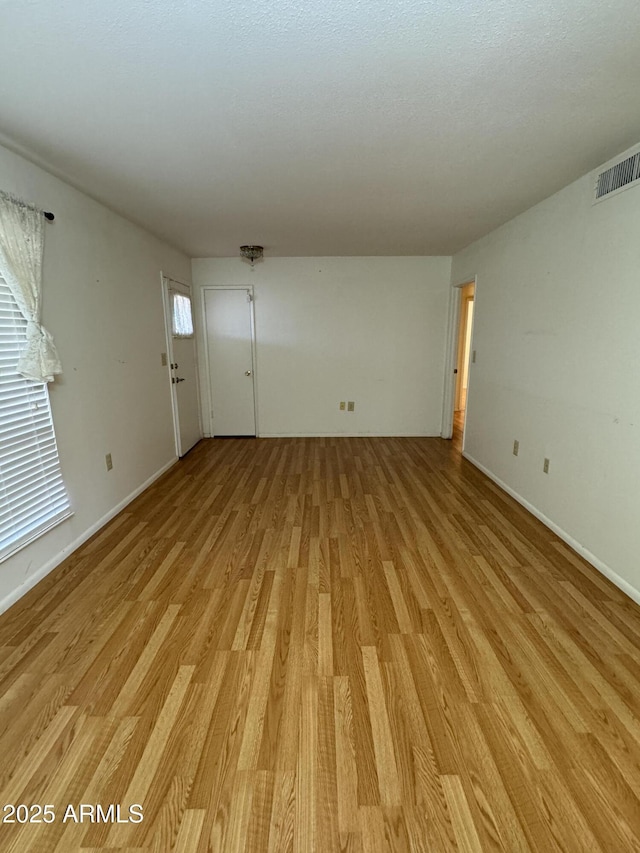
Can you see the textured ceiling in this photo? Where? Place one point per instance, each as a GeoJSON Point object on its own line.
{"type": "Point", "coordinates": [320, 128]}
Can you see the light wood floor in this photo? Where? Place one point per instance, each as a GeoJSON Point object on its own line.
{"type": "Point", "coordinates": [324, 645]}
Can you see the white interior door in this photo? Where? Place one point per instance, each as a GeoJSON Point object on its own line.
{"type": "Point", "coordinates": [183, 365]}
{"type": "Point", "coordinates": [230, 361]}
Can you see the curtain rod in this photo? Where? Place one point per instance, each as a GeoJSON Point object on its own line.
{"type": "Point", "coordinates": [9, 197]}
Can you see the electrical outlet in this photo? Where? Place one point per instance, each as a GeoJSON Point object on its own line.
{"type": "Point", "coordinates": [350, 406]}
{"type": "Point", "coordinates": [109, 461]}
{"type": "Point", "coordinates": [163, 359]}
{"type": "Point", "coordinates": [516, 447]}
{"type": "Point", "coordinates": [545, 466]}
{"type": "Point", "coordinates": [343, 405]}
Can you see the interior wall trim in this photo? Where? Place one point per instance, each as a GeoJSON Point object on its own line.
{"type": "Point", "coordinates": [596, 562]}
{"type": "Point", "coordinates": [394, 434]}
{"type": "Point", "coordinates": [55, 561]}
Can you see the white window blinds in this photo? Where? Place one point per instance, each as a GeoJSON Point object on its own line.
{"type": "Point", "coordinates": [32, 494]}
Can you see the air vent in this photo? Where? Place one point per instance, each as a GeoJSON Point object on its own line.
{"type": "Point", "coordinates": [618, 175]}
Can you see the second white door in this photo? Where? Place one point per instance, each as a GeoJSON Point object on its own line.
{"type": "Point", "coordinates": [229, 331]}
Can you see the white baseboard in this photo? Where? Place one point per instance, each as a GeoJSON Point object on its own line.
{"type": "Point", "coordinates": [51, 564]}
{"type": "Point", "coordinates": [347, 435]}
{"type": "Point", "coordinates": [596, 562]}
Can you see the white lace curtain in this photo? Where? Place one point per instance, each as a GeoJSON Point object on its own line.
{"type": "Point", "coordinates": [21, 251]}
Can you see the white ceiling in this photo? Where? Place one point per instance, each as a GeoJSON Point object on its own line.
{"type": "Point", "coordinates": [403, 127]}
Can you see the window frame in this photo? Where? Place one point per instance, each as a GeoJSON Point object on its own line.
{"type": "Point", "coordinates": [176, 295]}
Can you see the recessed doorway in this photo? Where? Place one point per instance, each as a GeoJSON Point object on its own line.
{"type": "Point", "coordinates": [460, 357]}
{"type": "Point", "coordinates": [465, 327]}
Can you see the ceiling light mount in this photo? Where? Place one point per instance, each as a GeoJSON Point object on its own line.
{"type": "Point", "coordinates": [252, 253]}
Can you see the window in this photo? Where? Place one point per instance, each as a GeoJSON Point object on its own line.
{"type": "Point", "coordinates": [32, 494]}
{"type": "Point", "coordinates": [181, 317]}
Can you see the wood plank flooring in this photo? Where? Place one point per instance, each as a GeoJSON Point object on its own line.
{"type": "Point", "coordinates": [323, 645]}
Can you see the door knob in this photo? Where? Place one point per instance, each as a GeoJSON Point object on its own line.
{"type": "Point", "coordinates": [247, 373]}
{"type": "Point", "coordinates": [179, 380]}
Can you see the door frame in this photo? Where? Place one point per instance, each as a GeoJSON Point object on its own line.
{"type": "Point", "coordinates": [165, 284]}
{"type": "Point", "coordinates": [451, 354]}
{"type": "Point", "coordinates": [248, 288]}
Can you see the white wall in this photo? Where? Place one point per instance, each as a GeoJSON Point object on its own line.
{"type": "Point", "coordinates": [371, 330]}
{"type": "Point", "coordinates": [103, 305]}
{"type": "Point", "coordinates": [557, 336]}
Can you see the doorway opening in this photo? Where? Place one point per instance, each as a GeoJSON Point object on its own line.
{"type": "Point", "coordinates": [463, 360]}
{"type": "Point", "coordinates": [459, 358]}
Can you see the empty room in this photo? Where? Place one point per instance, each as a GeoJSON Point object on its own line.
{"type": "Point", "coordinates": [319, 427]}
